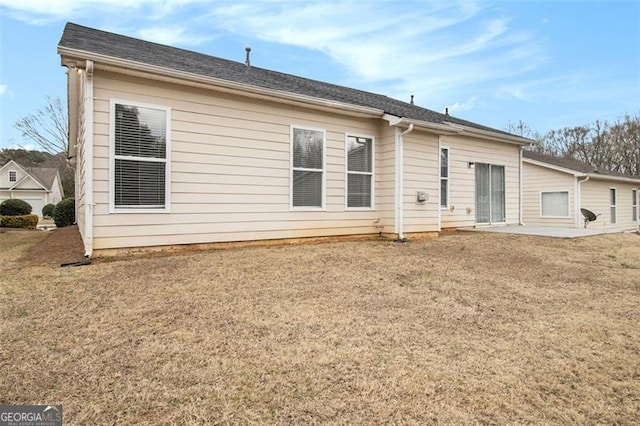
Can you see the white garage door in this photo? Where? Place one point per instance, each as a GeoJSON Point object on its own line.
{"type": "Point", "coordinates": [35, 201]}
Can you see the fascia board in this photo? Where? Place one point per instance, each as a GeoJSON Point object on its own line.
{"type": "Point", "coordinates": [554, 167]}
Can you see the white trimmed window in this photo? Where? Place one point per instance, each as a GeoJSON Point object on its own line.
{"type": "Point", "coordinates": [13, 175]}
{"type": "Point", "coordinates": [140, 166]}
{"type": "Point", "coordinates": [359, 172]}
{"type": "Point", "coordinates": [634, 205]}
{"type": "Point", "coordinates": [555, 204]}
{"type": "Point", "coordinates": [444, 177]}
{"type": "Point", "coordinates": [307, 168]}
{"type": "Point", "coordinates": [614, 203]}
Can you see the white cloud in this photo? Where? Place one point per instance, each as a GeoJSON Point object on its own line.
{"type": "Point", "coordinates": [435, 50]}
{"type": "Point", "coordinates": [438, 51]}
{"type": "Point", "coordinates": [465, 106]}
{"type": "Point", "coordinates": [39, 12]}
{"type": "Point", "coordinates": [3, 89]}
{"type": "Point", "coordinates": [171, 35]}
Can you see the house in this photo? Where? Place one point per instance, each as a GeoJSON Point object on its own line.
{"type": "Point", "coordinates": [38, 186]}
{"type": "Point", "coordinates": [176, 147]}
{"type": "Point", "coordinates": [555, 189]}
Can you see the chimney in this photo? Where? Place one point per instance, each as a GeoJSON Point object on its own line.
{"type": "Point", "coordinates": [411, 99]}
{"type": "Point", "coordinates": [247, 62]}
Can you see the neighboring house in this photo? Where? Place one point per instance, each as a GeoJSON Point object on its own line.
{"type": "Point", "coordinates": [176, 147]}
{"type": "Point", "coordinates": [555, 189]}
{"type": "Point", "coordinates": [38, 186]}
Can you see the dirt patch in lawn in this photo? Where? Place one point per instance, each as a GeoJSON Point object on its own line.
{"type": "Point", "coordinates": [61, 245]}
{"type": "Point", "coordinates": [467, 328]}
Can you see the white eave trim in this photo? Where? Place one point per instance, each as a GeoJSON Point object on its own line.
{"type": "Point", "coordinates": [448, 128]}
{"type": "Point", "coordinates": [73, 57]}
{"type": "Point", "coordinates": [24, 178]}
{"type": "Point", "coordinates": [599, 176]}
{"type": "Point", "coordinates": [578, 174]}
{"type": "Point", "coordinates": [553, 167]}
{"type": "Point", "coordinates": [486, 134]}
{"type": "Point", "coordinates": [441, 129]}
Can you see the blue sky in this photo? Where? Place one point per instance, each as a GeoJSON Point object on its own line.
{"type": "Point", "coordinates": [550, 64]}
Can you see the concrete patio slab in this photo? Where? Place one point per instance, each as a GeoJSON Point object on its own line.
{"type": "Point", "coordinates": [543, 231]}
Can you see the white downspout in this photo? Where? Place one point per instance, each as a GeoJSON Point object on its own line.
{"type": "Point", "coordinates": [579, 198]}
{"type": "Point", "coordinates": [520, 192]}
{"type": "Point", "coordinates": [400, 181]}
{"type": "Point", "coordinates": [88, 154]}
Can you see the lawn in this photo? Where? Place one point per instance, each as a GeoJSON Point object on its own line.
{"type": "Point", "coordinates": [466, 328]}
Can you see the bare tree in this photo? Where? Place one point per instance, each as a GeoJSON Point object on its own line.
{"type": "Point", "coordinates": [607, 146]}
{"type": "Point", "coordinates": [523, 129]}
{"type": "Point", "coordinates": [47, 127]}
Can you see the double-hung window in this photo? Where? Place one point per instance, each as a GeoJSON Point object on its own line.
{"type": "Point", "coordinates": [13, 175]}
{"type": "Point", "coordinates": [444, 177]}
{"type": "Point", "coordinates": [359, 172]}
{"type": "Point", "coordinates": [307, 168]}
{"type": "Point", "coordinates": [634, 205]}
{"type": "Point", "coordinates": [140, 157]}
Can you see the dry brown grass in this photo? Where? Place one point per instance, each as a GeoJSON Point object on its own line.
{"type": "Point", "coordinates": [468, 328]}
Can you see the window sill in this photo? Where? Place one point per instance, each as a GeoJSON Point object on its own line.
{"type": "Point", "coordinates": [138, 211]}
{"type": "Point", "coordinates": [359, 209]}
{"type": "Point", "coordinates": [307, 209]}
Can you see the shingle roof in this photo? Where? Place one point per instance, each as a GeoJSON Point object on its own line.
{"type": "Point", "coordinates": [44, 175]}
{"type": "Point", "coordinates": [86, 39]}
{"type": "Point", "coordinates": [571, 164]}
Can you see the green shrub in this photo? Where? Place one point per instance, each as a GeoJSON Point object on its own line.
{"type": "Point", "coordinates": [14, 207]}
{"type": "Point", "coordinates": [47, 211]}
{"type": "Point", "coordinates": [27, 221]}
{"type": "Point", "coordinates": [65, 213]}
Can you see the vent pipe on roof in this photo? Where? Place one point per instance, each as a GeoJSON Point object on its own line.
{"type": "Point", "coordinates": [446, 111]}
{"type": "Point", "coordinates": [411, 99]}
{"type": "Point", "coordinates": [248, 60]}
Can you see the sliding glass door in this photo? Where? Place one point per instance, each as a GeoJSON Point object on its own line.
{"type": "Point", "coordinates": [490, 190]}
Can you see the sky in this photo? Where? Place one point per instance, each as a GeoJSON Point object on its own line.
{"type": "Point", "coordinates": [550, 64]}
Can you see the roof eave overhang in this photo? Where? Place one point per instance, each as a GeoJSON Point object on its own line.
{"type": "Point", "coordinates": [554, 167]}
{"type": "Point", "coordinates": [579, 174]}
{"type": "Point", "coordinates": [76, 58]}
{"type": "Point", "coordinates": [441, 129]}
{"type": "Point", "coordinates": [486, 134]}
{"type": "Point", "coordinates": [611, 178]}
{"type": "Point", "coordinates": [448, 128]}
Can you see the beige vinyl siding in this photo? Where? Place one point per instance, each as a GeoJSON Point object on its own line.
{"type": "Point", "coordinates": [595, 197]}
{"type": "Point", "coordinates": [537, 179]}
{"type": "Point", "coordinates": [420, 173]}
{"type": "Point", "coordinates": [385, 177]}
{"type": "Point", "coordinates": [4, 175]}
{"type": "Point", "coordinates": [229, 169]}
{"type": "Point", "coordinates": [28, 184]}
{"type": "Point", "coordinates": [462, 150]}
